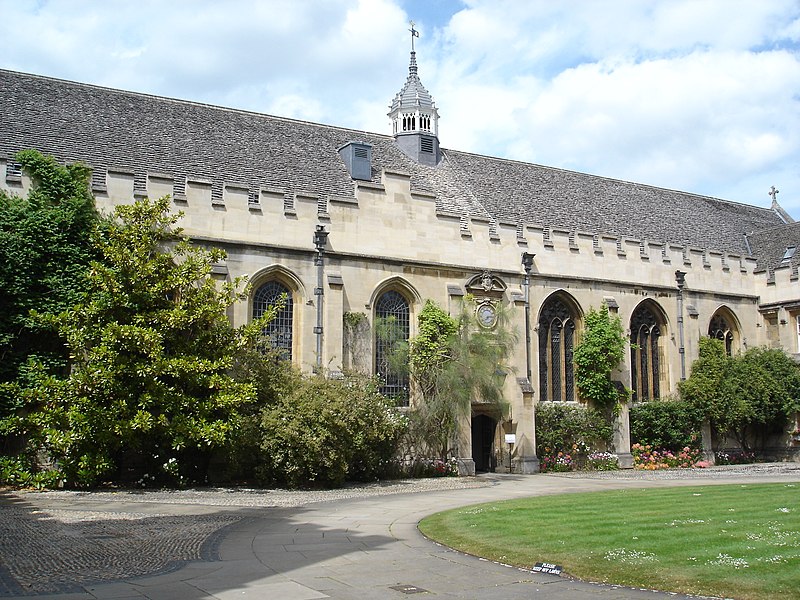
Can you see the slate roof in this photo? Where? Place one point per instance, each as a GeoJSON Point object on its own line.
{"type": "Point", "coordinates": [115, 129]}
{"type": "Point", "coordinates": [769, 246]}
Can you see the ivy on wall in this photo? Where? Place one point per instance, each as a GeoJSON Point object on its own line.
{"type": "Point", "coordinates": [600, 351]}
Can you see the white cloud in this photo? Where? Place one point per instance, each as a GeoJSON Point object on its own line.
{"type": "Point", "coordinates": [702, 95]}
{"type": "Point", "coordinates": [692, 94]}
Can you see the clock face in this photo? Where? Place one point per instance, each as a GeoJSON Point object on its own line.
{"type": "Point", "coordinates": [486, 315]}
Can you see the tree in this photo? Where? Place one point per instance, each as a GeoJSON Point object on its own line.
{"type": "Point", "coordinates": [705, 387]}
{"type": "Point", "coordinates": [599, 352]}
{"type": "Point", "coordinates": [453, 363]}
{"type": "Point", "coordinates": [766, 384]}
{"type": "Point", "coordinates": [45, 252]}
{"type": "Point", "coordinates": [151, 347]}
{"type": "Point", "coordinates": [749, 396]}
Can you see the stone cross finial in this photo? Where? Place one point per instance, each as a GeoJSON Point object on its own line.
{"type": "Point", "coordinates": [774, 193]}
{"type": "Point", "coordinates": [414, 34]}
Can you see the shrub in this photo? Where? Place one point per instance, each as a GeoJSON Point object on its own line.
{"type": "Point", "coordinates": [668, 424]}
{"type": "Point", "coordinates": [326, 431]}
{"type": "Point", "coordinates": [567, 429]}
{"type": "Point", "coordinates": [750, 396]}
{"type": "Point", "coordinates": [21, 472]}
{"type": "Point", "coordinates": [452, 360]}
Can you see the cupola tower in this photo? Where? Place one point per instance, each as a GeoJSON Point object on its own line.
{"type": "Point", "coordinates": [415, 120]}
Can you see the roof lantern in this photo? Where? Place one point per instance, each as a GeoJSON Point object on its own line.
{"type": "Point", "coordinates": [415, 119]}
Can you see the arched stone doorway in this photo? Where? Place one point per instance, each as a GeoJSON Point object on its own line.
{"type": "Point", "coordinates": [484, 428]}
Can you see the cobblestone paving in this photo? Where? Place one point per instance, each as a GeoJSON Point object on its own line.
{"type": "Point", "coordinates": [56, 542]}
{"type": "Point", "coordinates": [57, 550]}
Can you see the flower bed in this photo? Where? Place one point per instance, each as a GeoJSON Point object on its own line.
{"type": "Point", "coordinates": [430, 467]}
{"type": "Point", "coordinates": [735, 457]}
{"type": "Point", "coordinates": [559, 462]}
{"type": "Point", "coordinates": [647, 458]}
{"type": "Point", "coordinates": [602, 461]}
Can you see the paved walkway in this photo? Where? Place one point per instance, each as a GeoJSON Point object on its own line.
{"type": "Point", "coordinates": [357, 543]}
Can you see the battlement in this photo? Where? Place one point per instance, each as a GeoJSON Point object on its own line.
{"type": "Point", "coordinates": [392, 218]}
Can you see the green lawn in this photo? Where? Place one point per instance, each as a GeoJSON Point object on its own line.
{"type": "Point", "coordinates": [739, 541]}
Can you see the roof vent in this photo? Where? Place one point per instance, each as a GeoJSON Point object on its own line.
{"type": "Point", "coordinates": [357, 157]}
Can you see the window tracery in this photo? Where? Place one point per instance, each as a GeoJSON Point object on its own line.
{"type": "Point", "coordinates": [645, 354]}
{"type": "Point", "coordinates": [721, 329]}
{"type": "Point", "coordinates": [392, 316]}
{"type": "Point", "coordinates": [556, 345]}
{"type": "Point", "coordinates": [280, 330]}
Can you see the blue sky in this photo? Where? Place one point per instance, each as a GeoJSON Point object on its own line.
{"type": "Point", "coordinates": [697, 95]}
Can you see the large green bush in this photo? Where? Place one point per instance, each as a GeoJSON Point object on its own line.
{"type": "Point", "coordinates": [327, 431]}
{"type": "Point", "coordinates": [750, 396]}
{"type": "Point", "coordinates": [666, 424]}
{"type": "Point", "coordinates": [564, 428]}
{"type": "Point", "coordinates": [150, 392]}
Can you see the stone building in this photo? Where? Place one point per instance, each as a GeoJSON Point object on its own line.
{"type": "Point", "coordinates": [397, 219]}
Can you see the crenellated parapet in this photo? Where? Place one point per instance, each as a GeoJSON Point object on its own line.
{"type": "Point", "coordinates": [394, 218]}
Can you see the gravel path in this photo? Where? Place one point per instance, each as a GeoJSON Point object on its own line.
{"type": "Point", "coordinates": [263, 498]}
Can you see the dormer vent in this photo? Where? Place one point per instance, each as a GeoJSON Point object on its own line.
{"type": "Point", "coordinates": [357, 157]}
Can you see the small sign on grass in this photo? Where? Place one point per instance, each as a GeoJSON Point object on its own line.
{"type": "Point", "coordinates": [550, 569]}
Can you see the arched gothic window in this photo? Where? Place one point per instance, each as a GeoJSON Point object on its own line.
{"type": "Point", "coordinates": [392, 326]}
{"type": "Point", "coordinates": [280, 329]}
{"type": "Point", "coordinates": [645, 354]}
{"type": "Point", "coordinates": [556, 344]}
{"type": "Point", "coordinates": [720, 329]}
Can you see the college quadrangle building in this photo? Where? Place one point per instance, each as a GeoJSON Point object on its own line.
{"type": "Point", "coordinates": [397, 219]}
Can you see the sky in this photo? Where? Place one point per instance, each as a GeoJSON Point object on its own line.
{"type": "Point", "coordinates": [694, 95]}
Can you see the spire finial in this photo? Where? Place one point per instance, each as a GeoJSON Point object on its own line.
{"type": "Point", "coordinates": [414, 34]}
{"type": "Point", "coordinates": [774, 193]}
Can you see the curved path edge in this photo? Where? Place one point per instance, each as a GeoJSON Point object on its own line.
{"type": "Point", "coordinates": [368, 547]}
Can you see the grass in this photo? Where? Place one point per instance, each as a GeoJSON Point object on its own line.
{"type": "Point", "coordinates": [735, 541]}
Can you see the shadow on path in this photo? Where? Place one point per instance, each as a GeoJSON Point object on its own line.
{"type": "Point", "coordinates": [70, 548]}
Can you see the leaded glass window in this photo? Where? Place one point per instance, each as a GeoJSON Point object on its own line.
{"type": "Point", "coordinates": [556, 345]}
{"type": "Point", "coordinates": [391, 328]}
{"type": "Point", "coordinates": [278, 331]}
{"type": "Point", "coordinates": [645, 354]}
{"type": "Point", "coordinates": [720, 329]}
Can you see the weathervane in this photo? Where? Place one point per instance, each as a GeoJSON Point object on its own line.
{"type": "Point", "coordinates": [774, 193]}
{"type": "Point", "coordinates": [414, 33]}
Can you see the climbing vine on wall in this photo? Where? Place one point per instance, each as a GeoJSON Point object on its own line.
{"type": "Point", "coordinates": [600, 351]}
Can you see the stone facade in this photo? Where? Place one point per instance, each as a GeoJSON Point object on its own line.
{"type": "Point", "coordinates": [260, 186]}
